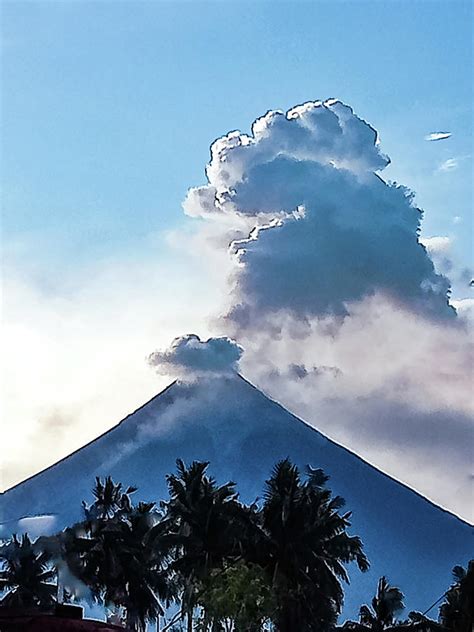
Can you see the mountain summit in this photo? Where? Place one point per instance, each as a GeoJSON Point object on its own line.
{"type": "Point", "coordinates": [242, 432]}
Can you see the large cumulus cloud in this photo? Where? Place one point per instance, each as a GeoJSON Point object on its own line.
{"type": "Point", "coordinates": [335, 297]}
{"type": "Point", "coordinates": [325, 133]}
{"type": "Point", "coordinates": [342, 232]}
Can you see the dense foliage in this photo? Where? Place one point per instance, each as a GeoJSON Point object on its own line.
{"type": "Point", "coordinates": [214, 563]}
{"type": "Point", "coordinates": [26, 575]}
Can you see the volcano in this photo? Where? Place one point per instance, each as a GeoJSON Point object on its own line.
{"type": "Point", "coordinates": [243, 433]}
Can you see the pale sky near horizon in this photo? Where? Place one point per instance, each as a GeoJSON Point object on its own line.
{"type": "Point", "coordinates": [108, 111]}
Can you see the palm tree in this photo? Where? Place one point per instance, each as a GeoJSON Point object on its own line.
{"type": "Point", "coordinates": [110, 498]}
{"type": "Point", "coordinates": [305, 546]}
{"type": "Point", "coordinates": [203, 520]}
{"type": "Point", "coordinates": [26, 575]}
{"type": "Point", "coordinates": [90, 549]}
{"type": "Point", "coordinates": [141, 583]}
{"type": "Point", "coordinates": [416, 622]}
{"type": "Point", "coordinates": [387, 602]}
{"type": "Point", "coordinates": [457, 612]}
{"type": "Point", "coordinates": [110, 552]}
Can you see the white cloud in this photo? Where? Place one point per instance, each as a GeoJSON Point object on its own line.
{"type": "Point", "coordinates": [189, 356]}
{"type": "Point", "coordinates": [439, 249]}
{"type": "Point", "coordinates": [73, 362]}
{"type": "Point", "coordinates": [438, 136]}
{"type": "Point", "coordinates": [465, 309]}
{"type": "Point", "coordinates": [335, 232]}
{"type": "Point", "coordinates": [437, 245]}
{"type": "Point", "coordinates": [449, 165]}
{"type": "Point", "coordinates": [327, 133]}
{"type": "Point", "coordinates": [336, 299]}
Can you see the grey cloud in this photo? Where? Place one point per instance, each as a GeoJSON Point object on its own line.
{"type": "Point", "coordinates": [393, 387]}
{"type": "Point", "coordinates": [56, 421]}
{"type": "Point", "coordinates": [189, 356]}
{"type": "Point", "coordinates": [431, 450]}
{"type": "Point", "coordinates": [344, 317]}
{"type": "Point", "coordinates": [408, 428]}
{"type": "Point", "coordinates": [301, 371]}
{"type": "Point", "coordinates": [328, 230]}
{"type": "Point", "coordinates": [355, 239]}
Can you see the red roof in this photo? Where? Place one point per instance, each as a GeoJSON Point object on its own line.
{"type": "Point", "coordinates": [18, 622]}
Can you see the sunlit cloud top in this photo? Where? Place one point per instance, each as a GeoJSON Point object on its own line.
{"type": "Point", "coordinates": [437, 136]}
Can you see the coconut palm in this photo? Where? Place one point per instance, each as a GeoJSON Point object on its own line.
{"type": "Point", "coordinates": [203, 520]}
{"type": "Point", "coordinates": [141, 582]}
{"type": "Point", "coordinates": [26, 575]}
{"type": "Point", "coordinates": [90, 550]}
{"type": "Point", "coordinates": [387, 601]}
{"type": "Point", "coordinates": [305, 546]}
{"type": "Point", "coordinates": [457, 611]}
{"type": "Point", "coordinates": [110, 552]}
{"type": "Point", "coordinates": [110, 498]}
{"type": "Point", "coordinates": [416, 622]}
{"type": "Point", "coordinates": [380, 616]}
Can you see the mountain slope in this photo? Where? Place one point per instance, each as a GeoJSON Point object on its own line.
{"type": "Point", "coordinates": [230, 423]}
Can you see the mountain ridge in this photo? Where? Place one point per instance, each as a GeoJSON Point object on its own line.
{"type": "Point", "coordinates": [243, 433]}
{"type": "Point", "coordinates": [86, 445]}
{"type": "Point", "coordinates": [277, 403]}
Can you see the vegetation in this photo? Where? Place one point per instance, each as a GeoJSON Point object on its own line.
{"type": "Point", "coordinates": [220, 565]}
{"type": "Point", "coordinates": [457, 612]}
{"type": "Point", "coordinates": [204, 525]}
{"type": "Point", "coordinates": [110, 552]}
{"type": "Point", "coordinates": [387, 602]}
{"type": "Point", "coordinates": [304, 548]}
{"type": "Point", "coordinates": [26, 576]}
{"type": "Point", "coordinates": [239, 597]}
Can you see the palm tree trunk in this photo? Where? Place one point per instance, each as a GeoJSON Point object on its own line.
{"type": "Point", "coordinates": [190, 621]}
{"type": "Point", "coordinates": [130, 622]}
{"type": "Point", "coordinates": [286, 619]}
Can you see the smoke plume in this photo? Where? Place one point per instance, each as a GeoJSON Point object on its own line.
{"type": "Point", "coordinates": [189, 357]}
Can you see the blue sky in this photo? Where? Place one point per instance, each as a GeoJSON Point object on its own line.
{"type": "Point", "coordinates": [109, 108]}
{"type": "Point", "coordinates": [108, 112]}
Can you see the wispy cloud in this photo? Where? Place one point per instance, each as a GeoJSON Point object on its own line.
{"type": "Point", "coordinates": [449, 165]}
{"type": "Point", "coordinates": [81, 359]}
{"type": "Point", "coordinates": [437, 136]}
{"type": "Point", "coordinates": [453, 163]}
